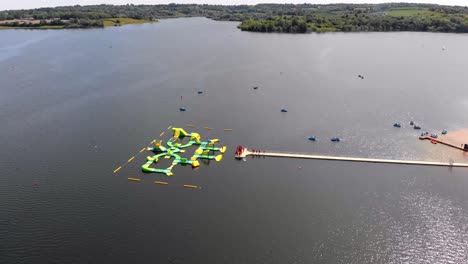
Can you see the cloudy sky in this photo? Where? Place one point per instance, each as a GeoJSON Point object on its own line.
{"type": "Point", "coordinates": [26, 4]}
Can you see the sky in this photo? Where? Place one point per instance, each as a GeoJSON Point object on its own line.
{"type": "Point", "coordinates": [28, 4]}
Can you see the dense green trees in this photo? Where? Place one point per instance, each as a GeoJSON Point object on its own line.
{"type": "Point", "coordinates": [350, 18]}
{"type": "Point", "coordinates": [287, 18]}
{"type": "Point", "coordinates": [300, 24]}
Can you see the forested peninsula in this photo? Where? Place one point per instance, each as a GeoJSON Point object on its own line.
{"type": "Point", "coordinates": [283, 18]}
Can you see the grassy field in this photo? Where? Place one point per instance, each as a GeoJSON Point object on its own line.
{"type": "Point", "coordinates": [409, 12]}
{"type": "Point", "coordinates": [110, 22]}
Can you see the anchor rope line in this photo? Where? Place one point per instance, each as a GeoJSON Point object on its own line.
{"type": "Point", "coordinates": [138, 153]}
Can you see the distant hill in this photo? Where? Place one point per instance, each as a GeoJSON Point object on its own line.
{"type": "Point", "coordinates": [286, 18]}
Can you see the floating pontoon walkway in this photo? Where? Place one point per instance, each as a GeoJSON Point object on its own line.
{"type": "Point", "coordinates": [242, 152]}
{"type": "Point", "coordinates": [439, 140]}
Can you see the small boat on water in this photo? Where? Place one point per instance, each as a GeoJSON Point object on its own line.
{"type": "Point", "coordinates": [411, 123]}
{"type": "Point", "coordinates": [433, 135]}
{"type": "Point", "coordinates": [284, 110]}
{"type": "Point", "coordinates": [312, 138]}
{"type": "Point", "coordinates": [397, 125]}
{"type": "Point", "coordinates": [200, 92]}
{"type": "Point", "coordinates": [335, 139]}
{"type": "Point", "coordinates": [255, 87]}
{"type": "Point", "coordinates": [416, 127]}
{"type": "Point", "coordinates": [444, 132]}
{"type": "Point", "coordinates": [182, 109]}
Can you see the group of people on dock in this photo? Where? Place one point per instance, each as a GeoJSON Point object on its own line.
{"type": "Point", "coordinates": [239, 150]}
{"type": "Point", "coordinates": [258, 151]}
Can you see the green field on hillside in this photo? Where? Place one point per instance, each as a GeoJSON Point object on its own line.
{"type": "Point", "coordinates": [121, 21]}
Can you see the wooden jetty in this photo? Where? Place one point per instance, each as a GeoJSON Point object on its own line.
{"type": "Point", "coordinates": [441, 141]}
{"type": "Point", "coordinates": [243, 152]}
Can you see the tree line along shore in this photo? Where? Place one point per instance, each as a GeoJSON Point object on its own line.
{"type": "Point", "coordinates": [283, 18]}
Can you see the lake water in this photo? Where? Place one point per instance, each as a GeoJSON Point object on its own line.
{"type": "Point", "coordinates": [76, 104]}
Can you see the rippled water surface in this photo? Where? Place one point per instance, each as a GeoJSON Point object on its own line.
{"type": "Point", "coordinates": [76, 104]}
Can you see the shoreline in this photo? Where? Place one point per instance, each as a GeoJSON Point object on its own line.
{"type": "Point", "coordinates": [107, 22]}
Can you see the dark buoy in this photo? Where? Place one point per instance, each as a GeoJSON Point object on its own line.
{"type": "Point", "coordinates": [411, 123]}
{"type": "Point", "coordinates": [284, 110]}
{"type": "Point", "coordinates": [255, 87]}
{"type": "Point", "coordinates": [182, 109]}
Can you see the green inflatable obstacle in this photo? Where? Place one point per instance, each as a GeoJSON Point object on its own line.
{"type": "Point", "coordinates": [174, 148]}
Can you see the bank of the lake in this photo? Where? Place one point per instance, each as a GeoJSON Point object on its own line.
{"type": "Point", "coordinates": [108, 22]}
{"type": "Point", "coordinates": [76, 104]}
{"type": "Point", "coordinates": [280, 18]}
{"type": "Point", "coordinates": [40, 27]}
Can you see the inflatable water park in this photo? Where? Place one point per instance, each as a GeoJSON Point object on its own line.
{"type": "Point", "coordinates": [174, 149]}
